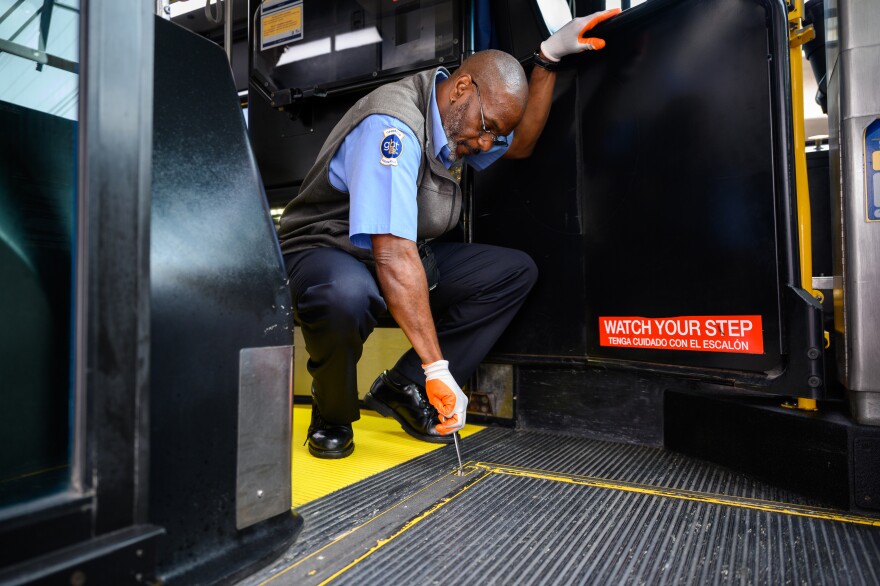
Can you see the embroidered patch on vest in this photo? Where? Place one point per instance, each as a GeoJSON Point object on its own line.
{"type": "Point", "coordinates": [391, 146]}
{"type": "Point", "coordinates": [455, 170]}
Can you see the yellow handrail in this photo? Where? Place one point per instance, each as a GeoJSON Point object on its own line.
{"type": "Point", "coordinates": [798, 35]}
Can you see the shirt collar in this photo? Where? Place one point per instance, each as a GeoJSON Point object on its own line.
{"type": "Point", "coordinates": [439, 136]}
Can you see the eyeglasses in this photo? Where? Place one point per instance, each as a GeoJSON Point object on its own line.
{"type": "Point", "coordinates": [496, 140]}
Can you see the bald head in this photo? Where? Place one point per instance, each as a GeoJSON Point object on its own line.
{"type": "Point", "coordinates": [485, 98]}
{"type": "Point", "coordinates": [500, 76]}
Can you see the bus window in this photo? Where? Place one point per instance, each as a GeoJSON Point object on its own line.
{"type": "Point", "coordinates": [39, 97]}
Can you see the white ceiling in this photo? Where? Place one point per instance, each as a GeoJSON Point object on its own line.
{"type": "Point", "coordinates": [51, 90]}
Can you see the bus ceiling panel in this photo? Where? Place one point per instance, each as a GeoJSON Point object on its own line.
{"type": "Point", "coordinates": [342, 51]}
{"type": "Point", "coordinates": [313, 47]}
{"type": "Point", "coordinates": [190, 14]}
{"type": "Point", "coordinates": [657, 191]}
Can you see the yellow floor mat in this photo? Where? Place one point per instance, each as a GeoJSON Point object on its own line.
{"type": "Point", "coordinates": [380, 444]}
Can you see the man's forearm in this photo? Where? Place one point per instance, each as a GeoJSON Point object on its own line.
{"type": "Point", "coordinates": [531, 126]}
{"type": "Point", "coordinates": [405, 289]}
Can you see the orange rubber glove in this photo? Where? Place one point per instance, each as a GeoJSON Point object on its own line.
{"type": "Point", "coordinates": [446, 396]}
{"type": "Point", "coordinates": [572, 38]}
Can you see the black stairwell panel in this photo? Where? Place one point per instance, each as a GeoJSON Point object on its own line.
{"type": "Point", "coordinates": [217, 287]}
{"type": "Point", "coordinates": [507, 529]}
{"type": "Point", "coordinates": [655, 189]}
{"type": "Point", "coordinates": [679, 175]}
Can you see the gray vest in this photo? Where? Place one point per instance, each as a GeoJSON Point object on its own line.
{"type": "Point", "coordinates": [318, 215]}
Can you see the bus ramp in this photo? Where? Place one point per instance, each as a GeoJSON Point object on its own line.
{"type": "Point", "coordinates": [540, 508]}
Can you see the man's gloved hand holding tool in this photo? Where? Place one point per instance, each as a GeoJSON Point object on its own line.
{"type": "Point", "coordinates": [446, 396]}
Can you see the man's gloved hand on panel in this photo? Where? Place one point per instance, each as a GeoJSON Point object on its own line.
{"type": "Point", "coordinates": [572, 37]}
{"type": "Point", "coordinates": [446, 396]}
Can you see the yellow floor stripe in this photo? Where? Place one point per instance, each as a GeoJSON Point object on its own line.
{"type": "Point", "coordinates": [490, 469]}
{"type": "Point", "coordinates": [379, 442]}
{"type": "Point", "coordinates": [412, 523]}
{"type": "Point", "coordinates": [682, 494]}
{"type": "Point", "coordinates": [469, 468]}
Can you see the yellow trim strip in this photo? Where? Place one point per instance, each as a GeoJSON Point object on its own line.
{"type": "Point", "coordinates": [680, 494]}
{"type": "Point", "coordinates": [361, 526]}
{"type": "Point", "coordinates": [382, 542]}
{"type": "Point", "coordinates": [688, 495]}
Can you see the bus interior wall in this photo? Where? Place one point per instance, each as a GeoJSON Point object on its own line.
{"type": "Point", "coordinates": [659, 206]}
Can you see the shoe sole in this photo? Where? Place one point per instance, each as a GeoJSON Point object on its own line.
{"type": "Point", "coordinates": [386, 411]}
{"type": "Point", "coordinates": [331, 454]}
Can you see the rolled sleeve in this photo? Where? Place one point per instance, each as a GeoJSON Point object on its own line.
{"type": "Point", "coordinates": [381, 163]}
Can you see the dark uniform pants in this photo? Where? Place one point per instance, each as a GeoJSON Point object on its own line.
{"type": "Point", "coordinates": [337, 303]}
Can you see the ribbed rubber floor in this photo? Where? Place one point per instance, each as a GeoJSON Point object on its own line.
{"type": "Point", "coordinates": [544, 509]}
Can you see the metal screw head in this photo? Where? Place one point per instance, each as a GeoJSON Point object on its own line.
{"type": "Point", "coordinates": [814, 382]}
{"type": "Point", "coordinates": [813, 353]}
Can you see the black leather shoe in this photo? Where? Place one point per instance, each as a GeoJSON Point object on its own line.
{"type": "Point", "coordinates": [327, 440]}
{"type": "Point", "coordinates": [392, 396]}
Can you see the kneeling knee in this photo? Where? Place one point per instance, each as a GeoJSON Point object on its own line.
{"type": "Point", "coordinates": [342, 306]}
{"type": "Point", "coordinates": [527, 270]}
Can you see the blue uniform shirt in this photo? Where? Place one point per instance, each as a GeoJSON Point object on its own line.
{"type": "Point", "coordinates": [378, 165]}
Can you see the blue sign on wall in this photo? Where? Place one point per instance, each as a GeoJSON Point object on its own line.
{"type": "Point", "coordinates": [872, 171]}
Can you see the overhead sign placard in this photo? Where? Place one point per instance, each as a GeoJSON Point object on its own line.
{"type": "Point", "coordinates": [281, 22]}
{"type": "Point", "coordinates": [740, 334]}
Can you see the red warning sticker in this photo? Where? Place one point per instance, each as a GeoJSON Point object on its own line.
{"type": "Point", "coordinates": [741, 334]}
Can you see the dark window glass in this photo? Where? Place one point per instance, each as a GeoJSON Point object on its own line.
{"type": "Point", "coordinates": [39, 88]}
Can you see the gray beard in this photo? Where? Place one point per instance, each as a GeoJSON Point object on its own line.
{"type": "Point", "coordinates": [452, 128]}
{"type": "Point", "coordinates": [453, 156]}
